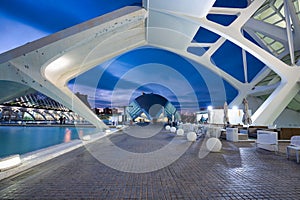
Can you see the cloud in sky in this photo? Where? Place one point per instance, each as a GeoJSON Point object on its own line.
{"type": "Point", "coordinates": [118, 81]}
{"type": "Point", "coordinates": [31, 20]}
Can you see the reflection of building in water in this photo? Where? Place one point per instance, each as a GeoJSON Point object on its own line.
{"type": "Point", "coordinates": [68, 133]}
{"type": "Point", "coordinates": [80, 134]}
{"type": "Point", "coordinates": [152, 107]}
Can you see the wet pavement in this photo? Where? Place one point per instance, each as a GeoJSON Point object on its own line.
{"type": "Point", "coordinates": [239, 171]}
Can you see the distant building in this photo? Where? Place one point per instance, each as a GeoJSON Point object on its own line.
{"type": "Point", "coordinates": [109, 111]}
{"type": "Point", "coordinates": [114, 111]}
{"type": "Point", "coordinates": [97, 111]}
{"type": "Point", "coordinates": [106, 111]}
{"type": "Point", "coordinates": [36, 100]}
{"type": "Point", "coordinates": [83, 98]}
{"type": "Point", "coordinates": [152, 107]}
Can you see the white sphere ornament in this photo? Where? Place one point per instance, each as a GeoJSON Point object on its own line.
{"type": "Point", "coordinates": [214, 144]}
{"type": "Point", "coordinates": [191, 136]}
{"type": "Point", "coordinates": [167, 127]}
{"type": "Point", "coordinates": [173, 129]}
{"type": "Point", "coordinates": [86, 138]}
{"type": "Point", "coordinates": [180, 132]}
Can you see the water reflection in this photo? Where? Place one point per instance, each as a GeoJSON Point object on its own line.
{"type": "Point", "coordinates": [80, 134]}
{"type": "Point", "coordinates": [68, 133]}
{"type": "Point", "coordinates": [24, 139]}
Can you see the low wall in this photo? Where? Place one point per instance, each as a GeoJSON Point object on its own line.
{"type": "Point", "coordinates": [287, 133]}
{"type": "Point", "coordinates": [283, 133]}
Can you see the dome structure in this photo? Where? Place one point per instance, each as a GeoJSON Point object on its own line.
{"type": "Point", "coordinates": [152, 107]}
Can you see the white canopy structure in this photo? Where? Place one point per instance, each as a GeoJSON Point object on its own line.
{"type": "Point", "coordinates": [47, 64]}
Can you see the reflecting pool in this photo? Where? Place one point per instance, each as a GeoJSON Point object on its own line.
{"type": "Point", "coordinates": [22, 139]}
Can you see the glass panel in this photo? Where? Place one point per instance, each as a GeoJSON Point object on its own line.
{"type": "Point", "coordinates": [272, 12]}
{"type": "Point", "coordinates": [282, 11]}
{"type": "Point", "coordinates": [280, 50]}
{"type": "Point", "coordinates": [281, 24]}
{"type": "Point", "coordinates": [273, 45]}
{"type": "Point", "coordinates": [297, 8]}
{"type": "Point", "coordinates": [27, 116]}
{"type": "Point", "coordinates": [278, 3]}
{"type": "Point", "coordinates": [296, 5]}
{"type": "Point", "coordinates": [276, 46]}
{"type": "Point", "coordinates": [268, 40]}
{"type": "Point", "coordinates": [273, 19]}
{"type": "Point", "coordinates": [134, 110]}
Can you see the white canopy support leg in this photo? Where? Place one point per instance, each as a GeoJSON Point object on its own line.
{"type": "Point", "coordinates": [276, 103]}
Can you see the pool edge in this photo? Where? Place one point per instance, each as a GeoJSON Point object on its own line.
{"type": "Point", "coordinates": [35, 158]}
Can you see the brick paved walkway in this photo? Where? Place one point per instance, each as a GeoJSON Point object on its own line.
{"type": "Point", "coordinates": [239, 171]}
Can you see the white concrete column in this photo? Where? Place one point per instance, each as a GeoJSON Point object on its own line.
{"type": "Point", "coordinates": [268, 112]}
{"type": "Point", "coordinates": [82, 47]}
{"type": "Point", "coordinates": [282, 96]}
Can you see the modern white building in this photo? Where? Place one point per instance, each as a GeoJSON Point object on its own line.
{"type": "Point", "coordinates": [246, 49]}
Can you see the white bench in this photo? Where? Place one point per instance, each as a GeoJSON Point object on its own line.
{"type": "Point", "coordinates": [295, 145]}
{"type": "Point", "coordinates": [232, 134]}
{"type": "Point", "coordinates": [267, 140]}
{"type": "Point", "coordinates": [214, 132]}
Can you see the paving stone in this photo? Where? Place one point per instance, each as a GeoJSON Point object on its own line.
{"type": "Point", "coordinates": [239, 171]}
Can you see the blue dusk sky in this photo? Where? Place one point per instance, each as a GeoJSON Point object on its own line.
{"type": "Point", "coordinates": [189, 86]}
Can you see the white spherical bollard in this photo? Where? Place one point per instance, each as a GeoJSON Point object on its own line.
{"type": "Point", "coordinates": [191, 136]}
{"type": "Point", "coordinates": [86, 138]}
{"type": "Point", "coordinates": [180, 132]}
{"type": "Point", "coordinates": [119, 126]}
{"type": "Point", "coordinates": [173, 129]}
{"type": "Point", "coordinates": [214, 144]}
{"type": "Point", "coordinates": [167, 127]}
